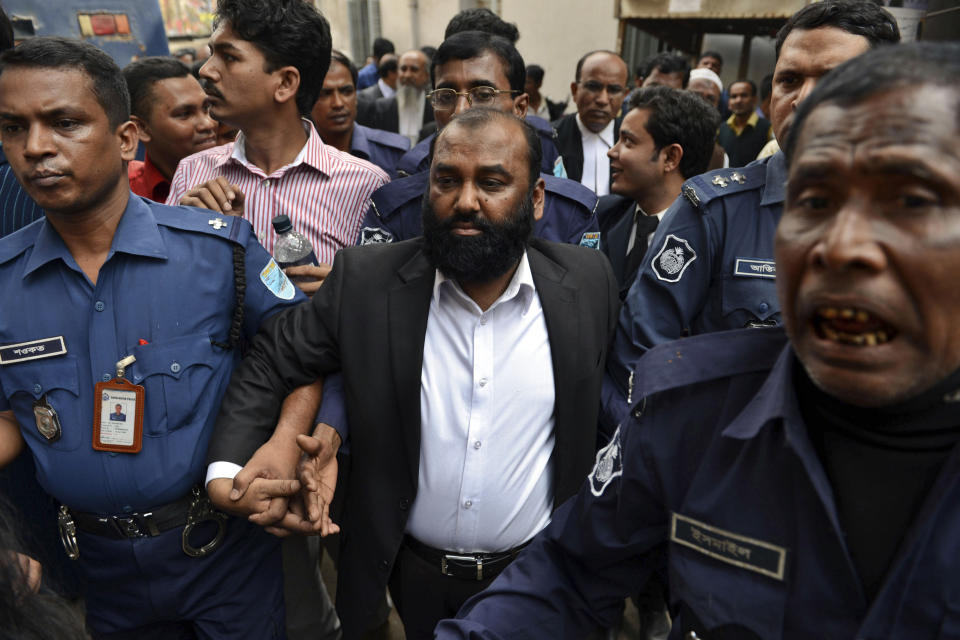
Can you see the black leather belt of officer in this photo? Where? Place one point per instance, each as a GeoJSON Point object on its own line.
{"type": "Point", "coordinates": [467, 566]}
{"type": "Point", "coordinates": [135, 525]}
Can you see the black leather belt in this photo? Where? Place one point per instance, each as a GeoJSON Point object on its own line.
{"type": "Point", "coordinates": [467, 566]}
{"type": "Point", "coordinates": [135, 525]}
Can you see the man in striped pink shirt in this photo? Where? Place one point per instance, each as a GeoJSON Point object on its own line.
{"type": "Point", "coordinates": [263, 81]}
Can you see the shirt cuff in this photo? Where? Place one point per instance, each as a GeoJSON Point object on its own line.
{"type": "Point", "coordinates": [221, 469]}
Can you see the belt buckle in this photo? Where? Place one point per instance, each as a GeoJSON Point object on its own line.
{"type": "Point", "coordinates": [449, 556]}
{"type": "Point", "coordinates": [127, 526]}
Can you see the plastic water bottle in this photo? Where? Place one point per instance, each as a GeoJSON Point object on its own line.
{"type": "Point", "coordinates": [291, 248]}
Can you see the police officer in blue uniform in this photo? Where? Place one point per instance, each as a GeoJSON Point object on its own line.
{"type": "Point", "coordinates": [113, 299]}
{"type": "Point", "coordinates": [487, 71]}
{"type": "Point", "coordinates": [710, 264]}
{"type": "Point", "coordinates": [382, 148]}
{"type": "Point", "coordinates": [802, 488]}
{"type": "Point", "coordinates": [417, 159]}
{"type": "Point", "coordinates": [335, 115]}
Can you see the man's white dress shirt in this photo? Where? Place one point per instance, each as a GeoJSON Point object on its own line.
{"type": "Point", "coordinates": [596, 164]}
{"type": "Point", "coordinates": [487, 420]}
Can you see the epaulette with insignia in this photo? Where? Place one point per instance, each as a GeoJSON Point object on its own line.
{"type": "Point", "coordinates": [572, 190]}
{"type": "Point", "coordinates": [232, 228]}
{"type": "Point", "coordinates": [541, 126]}
{"type": "Point", "coordinates": [702, 358]}
{"type": "Point", "coordinates": [699, 190]}
{"type": "Point", "coordinates": [391, 197]}
{"type": "Point", "coordinates": [14, 244]}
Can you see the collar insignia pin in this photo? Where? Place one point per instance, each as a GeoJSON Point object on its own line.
{"type": "Point", "coordinates": [720, 181]}
{"type": "Point", "coordinates": [738, 178]}
{"type": "Point", "coordinates": [217, 223]}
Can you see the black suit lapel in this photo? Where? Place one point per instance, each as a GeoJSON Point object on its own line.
{"type": "Point", "coordinates": [562, 318]}
{"type": "Point", "coordinates": [408, 307]}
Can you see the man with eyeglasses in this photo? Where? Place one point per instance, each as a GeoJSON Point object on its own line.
{"type": "Point", "coordinates": [585, 137]}
{"type": "Point", "coordinates": [478, 69]}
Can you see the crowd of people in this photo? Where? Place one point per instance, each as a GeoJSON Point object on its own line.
{"type": "Point", "coordinates": [688, 344]}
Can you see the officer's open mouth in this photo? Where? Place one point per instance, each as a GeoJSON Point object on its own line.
{"type": "Point", "coordinates": [852, 326]}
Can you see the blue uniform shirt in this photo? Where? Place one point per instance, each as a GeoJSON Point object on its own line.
{"type": "Point", "coordinates": [569, 212]}
{"type": "Point", "coordinates": [418, 158]}
{"type": "Point", "coordinates": [709, 268]}
{"type": "Point", "coordinates": [714, 482]}
{"type": "Point", "coordinates": [168, 280]}
{"type": "Point", "coordinates": [17, 209]}
{"type": "Point", "coordinates": [382, 148]}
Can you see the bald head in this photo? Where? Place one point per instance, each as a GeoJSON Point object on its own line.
{"type": "Point", "coordinates": [413, 69]}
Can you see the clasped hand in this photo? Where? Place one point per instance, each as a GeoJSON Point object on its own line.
{"type": "Point", "coordinates": [285, 487]}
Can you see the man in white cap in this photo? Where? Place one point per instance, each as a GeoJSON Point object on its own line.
{"type": "Point", "coordinates": [706, 84]}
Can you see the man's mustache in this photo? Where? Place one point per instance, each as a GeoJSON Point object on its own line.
{"type": "Point", "coordinates": [210, 90]}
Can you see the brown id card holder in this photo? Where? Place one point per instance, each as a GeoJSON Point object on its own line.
{"type": "Point", "coordinates": [118, 413]}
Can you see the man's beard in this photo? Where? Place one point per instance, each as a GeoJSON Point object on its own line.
{"type": "Point", "coordinates": [478, 258]}
{"type": "Point", "coordinates": [407, 96]}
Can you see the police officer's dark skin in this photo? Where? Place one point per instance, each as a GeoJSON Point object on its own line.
{"type": "Point", "coordinates": [869, 245]}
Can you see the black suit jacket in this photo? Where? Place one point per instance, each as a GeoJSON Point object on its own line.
{"type": "Point", "coordinates": [386, 114]}
{"type": "Point", "coordinates": [570, 144]}
{"type": "Point", "coordinates": [366, 99]}
{"type": "Point", "coordinates": [616, 225]}
{"type": "Point", "coordinates": [369, 319]}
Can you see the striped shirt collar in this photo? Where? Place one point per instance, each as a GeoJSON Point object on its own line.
{"type": "Point", "coordinates": [313, 154]}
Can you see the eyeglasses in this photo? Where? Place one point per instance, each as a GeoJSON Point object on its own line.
{"type": "Point", "coordinates": [446, 99]}
{"type": "Point", "coordinates": [597, 87]}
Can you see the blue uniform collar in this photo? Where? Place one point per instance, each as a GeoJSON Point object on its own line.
{"type": "Point", "coordinates": [359, 142]}
{"type": "Point", "coordinates": [136, 234]}
{"type": "Point", "coordinates": [775, 400]}
{"type": "Point", "coordinates": [776, 180]}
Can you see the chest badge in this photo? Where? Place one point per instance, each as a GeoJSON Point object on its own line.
{"type": "Point", "coordinates": [48, 422]}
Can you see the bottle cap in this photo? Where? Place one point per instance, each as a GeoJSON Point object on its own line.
{"type": "Point", "coordinates": [281, 224]}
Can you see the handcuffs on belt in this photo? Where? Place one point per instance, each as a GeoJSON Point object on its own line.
{"type": "Point", "coordinates": [200, 511]}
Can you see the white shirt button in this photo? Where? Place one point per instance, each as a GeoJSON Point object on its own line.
{"type": "Point", "coordinates": [476, 445]}
{"type": "Point", "coordinates": [467, 504]}
{"type": "Point", "coordinates": [483, 382]}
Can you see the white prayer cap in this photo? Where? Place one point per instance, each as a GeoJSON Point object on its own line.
{"type": "Point", "coordinates": [707, 74]}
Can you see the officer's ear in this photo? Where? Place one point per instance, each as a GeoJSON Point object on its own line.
{"type": "Point", "coordinates": [539, 196]}
{"type": "Point", "coordinates": [671, 155]}
{"type": "Point", "coordinates": [520, 104]}
{"type": "Point", "coordinates": [128, 136]}
{"type": "Point", "coordinates": [143, 130]}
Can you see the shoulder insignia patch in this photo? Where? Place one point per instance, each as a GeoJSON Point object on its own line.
{"type": "Point", "coordinates": [274, 279]}
{"type": "Point", "coordinates": [608, 466]}
{"type": "Point", "coordinates": [559, 170]}
{"type": "Point", "coordinates": [673, 259]}
{"type": "Point", "coordinates": [590, 239]}
{"type": "Point", "coordinates": [375, 235]}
